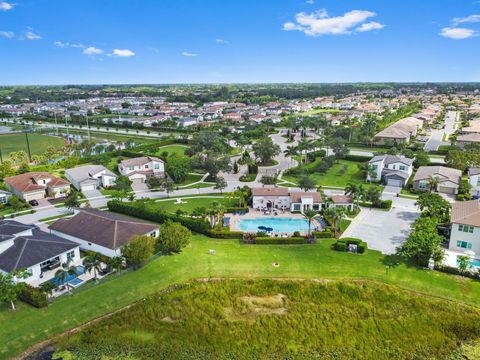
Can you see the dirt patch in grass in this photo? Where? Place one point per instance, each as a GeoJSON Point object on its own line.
{"type": "Point", "coordinates": [254, 306]}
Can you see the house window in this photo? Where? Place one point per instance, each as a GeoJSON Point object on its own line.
{"type": "Point", "coordinates": [156, 166]}
{"type": "Point", "coordinates": [464, 244]}
{"type": "Point", "coordinates": [393, 167]}
{"type": "Point", "coordinates": [146, 166]}
{"type": "Point", "coordinates": [131, 168]}
{"type": "Point", "coordinates": [296, 207]}
{"type": "Point", "coordinates": [315, 207]}
{"type": "Point", "coordinates": [478, 181]}
{"type": "Point", "coordinates": [3, 199]}
{"type": "Point", "coordinates": [70, 256]}
{"type": "Point", "coordinates": [153, 234]}
{"type": "Point", "coordinates": [465, 228]}
{"type": "Point", "coordinates": [422, 185]}
{"type": "Point", "coordinates": [374, 167]}
{"type": "Point", "coordinates": [403, 168]}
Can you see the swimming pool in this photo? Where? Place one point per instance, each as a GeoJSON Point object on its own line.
{"type": "Point", "coordinates": [70, 278]}
{"type": "Point", "coordinates": [277, 224]}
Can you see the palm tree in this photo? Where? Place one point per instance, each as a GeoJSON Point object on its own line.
{"type": "Point", "coordinates": [93, 262]}
{"type": "Point", "coordinates": [433, 183]}
{"type": "Point", "coordinates": [64, 273]}
{"type": "Point", "coordinates": [116, 263]}
{"type": "Point", "coordinates": [290, 152]}
{"type": "Point", "coordinates": [48, 287]}
{"type": "Point", "coordinates": [336, 214]}
{"type": "Point", "coordinates": [361, 193]}
{"type": "Point", "coordinates": [351, 189]}
{"type": "Point", "coordinates": [309, 215]}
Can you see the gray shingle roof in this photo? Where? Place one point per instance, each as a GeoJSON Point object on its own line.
{"type": "Point", "coordinates": [31, 250]}
{"type": "Point", "coordinates": [12, 227]}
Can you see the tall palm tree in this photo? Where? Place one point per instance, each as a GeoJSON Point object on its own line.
{"type": "Point", "coordinates": [290, 152]}
{"type": "Point", "coordinates": [116, 263]}
{"type": "Point", "coordinates": [65, 272]}
{"type": "Point", "coordinates": [309, 215]}
{"type": "Point", "coordinates": [433, 183]}
{"type": "Point", "coordinates": [92, 262]}
{"type": "Point", "coordinates": [336, 214]}
{"type": "Point", "coordinates": [361, 193]}
{"type": "Point", "coordinates": [351, 189]}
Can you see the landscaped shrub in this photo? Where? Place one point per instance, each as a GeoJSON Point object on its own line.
{"type": "Point", "coordinates": [327, 234]}
{"type": "Point", "coordinates": [342, 245]}
{"type": "Point", "coordinates": [280, 241]}
{"type": "Point", "coordinates": [235, 209]}
{"type": "Point", "coordinates": [249, 237]}
{"type": "Point", "coordinates": [356, 158]}
{"type": "Point", "coordinates": [386, 204]}
{"type": "Point", "coordinates": [33, 296]}
{"type": "Point", "coordinates": [226, 234]}
{"type": "Point", "coordinates": [457, 271]}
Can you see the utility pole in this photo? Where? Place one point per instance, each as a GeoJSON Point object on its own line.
{"type": "Point", "coordinates": [88, 129]}
{"type": "Point", "coordinates": [1, 157]}
{"type": "Point", "coordinates": [66, 126]}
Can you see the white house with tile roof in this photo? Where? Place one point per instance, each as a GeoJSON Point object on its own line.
{"type": "Point", "coordinates": [465, 231]}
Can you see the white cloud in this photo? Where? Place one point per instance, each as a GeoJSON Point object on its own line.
{"type": "Point", "coordinates": [68, 45]}
{"type": "Point", "coordinates": [123, 53]}
{"type": "Point", "coordinates": [373, 25]}
{"type": "Point", "coordinates": [467, 19]}
{"type": "Point", "coordinates": [7, 34]}
{"type": "Point", "coordinates": [310, 2]}
{"type": "Point", "coordinates": [222, 41]}
{"type": "Point", "coordinates": [30, 35]}
{"type": "Point", "coordinates": [320, 23]}
{"type": "Point", "coordinates": [186, 53]}
{"type": "Point", "coordinates": [458, 33]}
{"type": "Point", "coordinates": [5, 6]}
{"type": "Point", "coordinates": [92, 50]}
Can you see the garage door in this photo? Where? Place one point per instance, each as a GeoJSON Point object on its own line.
{"type": "Point", "coordinates": [394, 182]}
{"type": "Point", "coordinates": [137, 181]}
{"type": "Point", "coordinates": [34, 196]}
{"type": "Point", "coordinates": [446, 190]}
{"type": "Point", "coordinates": [88, 187]}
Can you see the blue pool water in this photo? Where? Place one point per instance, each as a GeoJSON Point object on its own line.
{"type": "Point", "coordinates": [277, 224]}
{"type": "Point", "coordinates": [71, 278]}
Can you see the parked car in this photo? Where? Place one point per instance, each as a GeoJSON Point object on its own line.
{"type": "Point", "coordinates": [33, 202]}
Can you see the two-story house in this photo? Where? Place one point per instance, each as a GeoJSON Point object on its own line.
{"type": "Point", "coordinates": [474, 181]}
{"type": "Point", "coordinates": [138, 169]}
{"type": "Point", "coordinates": [391, 170]}
{"type": "Point", "coordinates": [89, 177]}
{"type": "Point", "coordinates": [465, 232]}
{"type": "Point", "coordinates": [37, 185]}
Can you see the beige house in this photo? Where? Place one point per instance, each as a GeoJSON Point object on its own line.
{"type": "Point", "coordinates": [470, 138]}
{"type": "Point", "coordinates": [271, 198]}
{"type": "Point", "coordinates": [402, 131]}
{"type": "Point", "coordinates": [344, 201]}
{"type": "Point", "coordinates": [465, 231]}
{"type": "Point", "coordinates": [449, 179]}
{"type": "Point", "coordinates": [37, 185]}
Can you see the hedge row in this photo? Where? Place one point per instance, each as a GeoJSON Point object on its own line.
{"type": "Point", "coordinates": [343, 244]}
{"type": "Point", "coordinates": [145, 212]}
{"type": "Point", "coordinates": [327, 234]}
{"type": "Point", "coordinates": [281, 241]}
{"type": "Point", "coordinates": [456, 271]}
{"type": "Point", "coordinates": [33, 296]}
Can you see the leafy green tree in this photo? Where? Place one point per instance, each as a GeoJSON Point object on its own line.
{"type": "Point", "coordinates": [173, 237]}
{"type": "Point", "coordinates": [235, 167]}
{"type": "Point", "coordinates": [48, 287]}
{"type": "Point", "coordinates": [435, 206]}
{"type": "Point", "coordinates": [123, 183]}
{"type": "Point", "coordinates": [178, 168]}
{"type": "Point", "coordinates": [373, 195]}
{"type": "Point", "coordinates": [116, 263]}
{"type": "Point", "coordinates": [16, 203]}
{"type": "Point", "coordinates": [6, 169]}
{"type": "Point", "coordinates": [154, 182]}
{"type": "Point", "coordinates": [339, 148]}
{"type": "Point", "coordinates": [220, 184]}
{"type": "Point", "coordinates": [421, 159]}
{"type": "Point", "coordinates": [423, 242]}
{"type": "Point", "coordinates": [138, 250]}
{"type": "Point", "coordinates": [167, 185]}
{"type": "Point", "coordinates": [10, 287]}
{"type": "Point", "coordinates": [306, 183]}
{"type": "Point", "coordinates": [463, 263]}
{"type": "Point", "coordinates": [265, 150]}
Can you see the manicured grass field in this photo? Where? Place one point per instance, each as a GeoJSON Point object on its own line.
{"type": "Point", "coordinates": [338, 175]}
{"type": "Point", "coordinates": [172, 150]}
{"type": "Point", "coordinates": [28, 325]}
{"type": "Point", "coordinates": [191, 203]}
{"type": "Point", "coordinates": [191, 178]}
{"type": "Point", "coordinates": [265, 319]}
{"type": "Point", "coordinates": [38, 143]}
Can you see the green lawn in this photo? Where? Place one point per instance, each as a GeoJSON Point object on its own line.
{"type": "Point", "coordinates": [172, 150]}
{"type": "Point", "coordinates": [267, 319]}
{"type": "Point", "coordinates": [191, 178]}
{"type": "Point", "coordinates": [339, 175]}
{"type": "Point", "coordinates": [38, 143]}
{"type": "Point", "coordinates": [28, 325]}
{"type": "Point", "coordinates": [191, 203]}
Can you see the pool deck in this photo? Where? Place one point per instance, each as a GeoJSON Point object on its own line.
{"type": "Point", "coordinates": [258, 214]}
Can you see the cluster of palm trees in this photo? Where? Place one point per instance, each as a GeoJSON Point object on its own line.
{"type": "Point", "coordinates": [93, 262]}
{"type": "Point", "coordinates": [214, 213]}
{"type": "Point", "coordinates": [301, 150]}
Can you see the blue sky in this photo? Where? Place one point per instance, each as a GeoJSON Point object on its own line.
{"type": "Point", "coordinates": [213, 41]}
